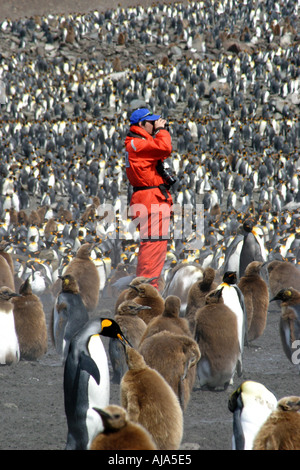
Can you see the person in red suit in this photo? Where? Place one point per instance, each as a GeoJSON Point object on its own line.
{"type": "Point", "coordinates": [148, 144]}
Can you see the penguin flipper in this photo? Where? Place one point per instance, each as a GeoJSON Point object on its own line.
{"type": "Point", "coordinates": [88, 364]}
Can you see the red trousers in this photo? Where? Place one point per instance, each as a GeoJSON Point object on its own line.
{"type": "Point", "coordinates": [151, 259]}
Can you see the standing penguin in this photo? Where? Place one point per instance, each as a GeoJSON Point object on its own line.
{"type": "Point", "coordinates": [251, 404]}
{"type": "Point", "coordinates": [133, 327]}
{"type": "Point", "coordinates": [289, 323]}
{"type": "Point", "coordinates": [9, 344]}
{"type": "Point", "coordinates": [69, 315]}
{"type": "Point", "coordinates": [283, 274]}
{"type": "Point", "coordinates": [256, 297]}
{"type": "Point", "coordinates": [234, 299]}
{"type": "Point", "coordinates": [253, 246]}
{"type": "Point", "coordinates": [120, 433]}
{"type": "Point", "coordinates": [148, 295]}
{"type": "Point", "coordinates": [30, 323]}
{"type": "Point", "coordinates": [217, 336]}
{"type": "Point", "coordinates": [169, 320]}
{"type": "Point", "coordinates": [86, 381]}
{"type": "Point", "coordinates": [180, 355]}
{"type": "Point", "coordinates": [6, 274]}
{"type": "Point", "coordinates": [151, 402]}
{"type": "Point", "coordinates": [197, 294]}
{"type": "Point", "coordinates": [281, 430]}
{"type": "Point", "coordinates": [85, 272]}
{"type": "Point", "coordinates": [129, 293]}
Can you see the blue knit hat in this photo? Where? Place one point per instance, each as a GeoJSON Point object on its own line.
{"type": "Point", "coordinates": [143, 114]}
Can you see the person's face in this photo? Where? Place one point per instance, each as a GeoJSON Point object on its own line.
{"type": "Point", "coordinates": [148, 126]}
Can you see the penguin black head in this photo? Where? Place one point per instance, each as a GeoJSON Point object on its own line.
{"type": "Point", "coordinates": [110, 328]}
{"type": "Point", "coordinates": [248, 225]}
{"type": "Point", "coordinates": [230, 277]}
{"type": "Point", "coordinates": [283, 294]}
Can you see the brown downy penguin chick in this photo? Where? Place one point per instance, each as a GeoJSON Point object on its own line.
{"type": "Point", "coordinates": [151, 402]}
{"type": "Point", "coordinates": [197, 294]}
{"type": "Point", "coordinates": [283, 274]}
{"type": "Point", "coordinates": [289, 323]}
{"type": "Point", "coordinates": [3, 245]}
{"type": "Point", "coordinates": [217, 338]}
{"type": "Point", "coordinates": [129, 294]}
{"type": "Point", "coordinates": [169, 320]}
{"type": "Point", "coordinates": [6, 271]}
{"type": "Point", "coordinates": [180, 355]}
{"type": "Point", "coordinates": [133, 328]}
{"type": "Point", "coordinates": [85, 272]}
{"type": "Point", "coordinates": [256, 298]}
{"type": "Point", "coordinates": [148, 295]}
{"type": "Point", "coordinates": [30, 322]}
{"type": "Point", "coordinates": [281, 430]}
{"type": "Point", "coordinates": [120, 433]}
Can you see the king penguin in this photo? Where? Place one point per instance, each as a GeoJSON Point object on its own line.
{"type": "Point", "coordinates": [30, 323]}
{"type": "Point", "coordinates": [289, 323]}
{"type": "Point", "coordinates": [256, 297]}
{"type": "Point", "coordinates": [216, 334]}
{"type": "Point", "coordinates": [133, 327]}
{"type": "Point", "coordinates": [253, 246]}
{"type": "Point", "coordinates": [234, 299]}
{"type": "Point", "coordinates": [9, 344]}
{"type": "Point", "coordinates": [86, 381]}
{"type": "Point", "coordinates": [69, 315]}
{"type": "Point", "coordinates": [281, 430]}
{"type": "Point", "coordinates": [251, 404]}
{"type": "Point", "coordinates": [120, 433]}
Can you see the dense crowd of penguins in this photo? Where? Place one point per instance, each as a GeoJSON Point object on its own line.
{"type": "Point", "coordinates": [226, 77]}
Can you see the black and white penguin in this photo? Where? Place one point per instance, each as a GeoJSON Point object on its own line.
{"type": "Point", "coordinates": [86, 381]}
{"type": "Point", "coordinates": [234, 299]}
{"type": "Point", "coordinates": [253, 248]}
{"type": "Point", "coordinates": [251, 404]}
{"type": "Point", "coordinates": [69, 315]}
{"type": "Point", "coordinates": [9, 344]}
{"type": "Point", "coordinates": [289, 323]}
{"type": "Point", "coordinates": [246, 247]}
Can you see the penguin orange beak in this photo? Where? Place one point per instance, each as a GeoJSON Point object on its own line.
{"type": "Point", "coordinates": [123, 340]}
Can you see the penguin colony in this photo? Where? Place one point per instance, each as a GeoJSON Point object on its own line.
{"type": "Point", "coordinates": [232, 109]}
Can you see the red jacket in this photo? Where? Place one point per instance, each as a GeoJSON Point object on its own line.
{"type": "Point", "coordinates": [142, 155]}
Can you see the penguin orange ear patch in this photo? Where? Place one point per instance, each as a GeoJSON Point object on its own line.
{"type": "Point", "coordinates": [106, 323]}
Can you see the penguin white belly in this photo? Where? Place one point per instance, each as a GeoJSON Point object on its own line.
{"type": "Point", "coordinates": [9, 344]}
{"type": "Point", "coordinates": [252, 418]}
{"type": "Point", "coordinates": [98, 395]}
{"type": "Point", "coordinates": [231, 299]}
